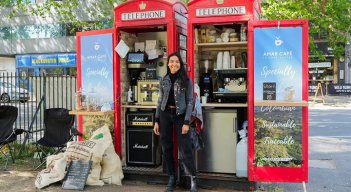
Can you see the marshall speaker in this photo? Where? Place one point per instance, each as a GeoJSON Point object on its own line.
{"type": "Point", "coordinates": [142, 144]}
{"type": "Point", "coordinates": [142, 147]}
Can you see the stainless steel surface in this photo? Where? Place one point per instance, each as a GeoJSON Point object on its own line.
{"type": "Point", "coordinates": [219, 135]}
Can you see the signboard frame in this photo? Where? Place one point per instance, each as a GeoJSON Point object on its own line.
{"type": "Point", "coordinates": [101, 44]}
{"type": "Point", "coordinates": [271, 173]}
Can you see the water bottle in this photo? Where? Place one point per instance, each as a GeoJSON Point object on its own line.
{"type": "Point", "coordinates": [130, 95]}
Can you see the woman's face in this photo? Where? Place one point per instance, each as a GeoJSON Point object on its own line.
{"type": "Point", "coordinates": [174, 64]}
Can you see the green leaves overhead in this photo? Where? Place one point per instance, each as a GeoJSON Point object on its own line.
{"type": "Point", "coordinates": [330, 20]}
{"type": "Point", "coordinates": [76, 12]}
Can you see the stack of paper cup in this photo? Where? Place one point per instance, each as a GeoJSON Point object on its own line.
{"type": "Point", "coordinates": [232, 62]}
{"type": "Point", "coordinates": [220, 60]}
{"type": "Point", "coordinates": [226, 60]}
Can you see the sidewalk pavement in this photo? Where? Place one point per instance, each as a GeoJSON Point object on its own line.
{"type": "Point", "coordinates": [330, 101]}
{"type": "Point", "coordinates": [23, 181]}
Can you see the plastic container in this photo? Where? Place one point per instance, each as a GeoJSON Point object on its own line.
{"type": "Point", "coordinates": [241, 158]}
{"type": "Point", "coordinates": [130, 95]}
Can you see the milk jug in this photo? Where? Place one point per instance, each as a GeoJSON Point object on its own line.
{"type": "Point", "coordinates": [241, 152]}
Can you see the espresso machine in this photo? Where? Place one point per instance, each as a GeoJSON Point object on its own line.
{"type": "Point", "coordinates": [136, 65]}
{"type": "Point", "coordinates": [232, 86]}
{"type": "Point", "coordinates": [206, 83]}
{"type": "Point", "coordinates": [206, 86]}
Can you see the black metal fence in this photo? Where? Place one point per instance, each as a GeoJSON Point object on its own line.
{"type": "Point", "coordinates": [32, 95]}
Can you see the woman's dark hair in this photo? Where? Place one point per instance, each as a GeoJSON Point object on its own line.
{"type": "Point", "coordinates": [182, 72]}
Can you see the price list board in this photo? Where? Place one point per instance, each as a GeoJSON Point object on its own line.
{"type": "Point", "coordinates": [77, 175]}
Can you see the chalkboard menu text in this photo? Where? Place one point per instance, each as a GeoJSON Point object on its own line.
{"type": "Point", "coordinates": [77, 174]}
{"type": "Point", "coordinates": [269, 91]}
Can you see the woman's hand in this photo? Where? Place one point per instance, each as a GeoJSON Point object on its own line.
{"type": "Point", "coordinates": [156, 129]}
{"type": "Point", "coordinates": [185, 129]}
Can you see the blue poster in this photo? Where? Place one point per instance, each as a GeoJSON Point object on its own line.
{"type": "Point", "coordinates": [97, 68]}
{"type": "Point", "coordinates": [278, 64]}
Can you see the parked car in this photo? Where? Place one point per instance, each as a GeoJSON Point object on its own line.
{"type": "Point", "coordinates": [10, 92]}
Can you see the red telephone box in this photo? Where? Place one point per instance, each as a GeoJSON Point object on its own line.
{"type": "Point", "coordinates": [157, 28]}
{"type": "Point", "coordinates": [247, 70]}
{"type": "Point", "coordinates": [256, 71]}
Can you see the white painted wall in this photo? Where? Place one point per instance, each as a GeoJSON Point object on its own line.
{"type": "Point", "coordinates": [7, 65]}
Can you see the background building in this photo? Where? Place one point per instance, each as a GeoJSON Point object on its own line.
{"type": "Point", "coordinates": [348, 61]}
{"type": "Point", "coordinates": [31, 45]}
{"type": "Point", "coordinates": [333, 73]}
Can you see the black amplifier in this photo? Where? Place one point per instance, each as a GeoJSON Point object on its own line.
{"type": "Point", "coordinates": [137, 119]}
{"type": "Point", "coordinates": [143, 147]}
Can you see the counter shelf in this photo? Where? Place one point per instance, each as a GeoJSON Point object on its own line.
{"type": "Point", "coordinates": [281, 103]}
{"type": "Point", "coordinates": [231, 71]}
{"type": "Point", "coordinates": [226, 105]}
{"type": "Point", "coordinates": [322, 80]}
{"type": "Point", "coordinates": [92, 113]}
{"type": "Point", "coordinates": [125, 105]}
{"type": "Point", "coordinates": [238, 45]}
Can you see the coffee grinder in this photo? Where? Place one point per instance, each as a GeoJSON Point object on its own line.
{"type": "Point", "coordinates": [206, 85]}
{"type": "Point", "coordinates": [136, 65]}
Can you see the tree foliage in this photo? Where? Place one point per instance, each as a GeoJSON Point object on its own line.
{"type": "Point", "coordinates": [329, 17]}
{"type": "Point", "coordinates": [67, 11]}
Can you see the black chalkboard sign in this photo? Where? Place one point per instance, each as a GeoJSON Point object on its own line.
{"type": "Point", "coordinates": [77, 174]}
{"type": "Point", "coordinates": [269, 91]}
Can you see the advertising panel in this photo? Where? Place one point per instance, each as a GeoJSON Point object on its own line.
{"type": "Point", "coordinates": [278, 70]}
{"type": "Point", "coordinates": [46, 60]}
{"type": "Point", "coordinates": [278, 59]}
{"type": "Point", "coordinates": [278, 128]}
{"type": "Point", "coordinates": [278, 136]}
{"type": "Point", "coordinates": [97, 68]}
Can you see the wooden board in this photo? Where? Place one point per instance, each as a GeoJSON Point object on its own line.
{"type": "Point", "coordinates": [96, 113]}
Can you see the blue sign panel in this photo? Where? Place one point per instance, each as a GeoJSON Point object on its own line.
{"type": "Point", "coordinates": [97, 67]}
{"type": "Point", "coordinates": [278, 63]}
{"type": "Point", "coordinates": [44, 60]}
{"type": "Point", "coordinates": [66, 59]}
{"type": "Point", "coordinates": [23, 61]}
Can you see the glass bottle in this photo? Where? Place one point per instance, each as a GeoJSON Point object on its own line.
{"type": "Point", "coordinates": [92, 100]}
{"type": "Point", "coordinates": [78, 100]}
{"type": "Point", "coordinates": [243, 32]}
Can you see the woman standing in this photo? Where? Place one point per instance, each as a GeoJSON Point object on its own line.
{"type": "Point", "coordinates": [173, 111]}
